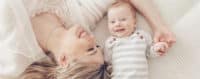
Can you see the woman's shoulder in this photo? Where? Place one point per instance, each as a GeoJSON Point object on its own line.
{"type": "Point", "coordinates": [34, 7]}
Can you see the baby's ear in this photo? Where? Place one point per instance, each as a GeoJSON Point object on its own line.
{"type": "Point", "coordinates": [62, 60]}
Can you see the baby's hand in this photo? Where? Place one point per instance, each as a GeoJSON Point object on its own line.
{"type": "Point", "coordinates": [160, 48]}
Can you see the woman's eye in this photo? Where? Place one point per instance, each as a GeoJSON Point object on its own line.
{"type": "Point", "coordinates": [97, 46]}
{"type": "Point", "coordinates": [90, 49]}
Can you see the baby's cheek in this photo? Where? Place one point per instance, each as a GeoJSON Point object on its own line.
{"type": "Point", "coordinates": [111, 30]}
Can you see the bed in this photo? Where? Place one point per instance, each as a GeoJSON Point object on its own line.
{"type": "Point", "coordinates": [181, 62]}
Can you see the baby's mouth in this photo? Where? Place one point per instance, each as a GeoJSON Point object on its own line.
{"type": "Point", "coordinates": [120, 30]}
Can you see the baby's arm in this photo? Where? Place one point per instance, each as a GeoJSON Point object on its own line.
{"type": "Point", "coordinates": [154, 49]}
{"type": "Point", "coordinates": [108, 51]}
{"type": "Point", "coordinates": [108, 55]}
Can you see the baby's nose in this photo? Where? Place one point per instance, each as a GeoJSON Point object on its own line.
{"type": "Point", "coordinates": [117, 24]}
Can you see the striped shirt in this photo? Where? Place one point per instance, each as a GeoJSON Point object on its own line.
{"type": "Point", "coordinates": [128, 55]}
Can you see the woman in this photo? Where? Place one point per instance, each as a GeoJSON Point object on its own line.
{"type": "Point", "coordinates": [82, 60]}
{"type": "Point", "coordinates": [68, 13]}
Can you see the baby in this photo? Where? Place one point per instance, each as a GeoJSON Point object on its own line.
{"type": "Point", "coordinates": [128, 47]}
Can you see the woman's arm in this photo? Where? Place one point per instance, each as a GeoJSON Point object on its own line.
{"type": "Point", "coordinates": [159, 27]}
{"type": "Point", "coordinates": [150, 12]}
{"type": "Point", "coordinates": [48, 29]}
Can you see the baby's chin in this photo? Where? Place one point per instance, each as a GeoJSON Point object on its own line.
{"type": "Point", "coordinates": [120, 35]}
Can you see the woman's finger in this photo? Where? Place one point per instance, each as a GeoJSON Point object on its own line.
{"type": "Point", "coordinates": [171, 41]}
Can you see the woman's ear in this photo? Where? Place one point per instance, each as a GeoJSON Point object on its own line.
{"type": "Point", "coordinates": [63, 60]}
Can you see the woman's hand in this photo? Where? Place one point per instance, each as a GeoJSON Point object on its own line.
{"type": "Point", "coordinates": [164, 35]}
{"type": "Point", "coordinates": [151, 14]}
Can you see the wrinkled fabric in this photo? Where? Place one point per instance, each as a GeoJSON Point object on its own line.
{"type": "Point", "coordinates": [18, 45]}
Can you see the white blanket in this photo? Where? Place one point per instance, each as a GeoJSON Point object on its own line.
{"type": "Point", "coordinates": [182, 61]}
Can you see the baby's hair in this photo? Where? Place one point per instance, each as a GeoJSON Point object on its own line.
{"type": "Point", "coordinates": [119, 3]}
{"type": "Point", "coordinates": [48, 69]}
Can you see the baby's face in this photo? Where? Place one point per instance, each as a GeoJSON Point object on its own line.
{"type": "Point", "coordinates": [81, 45]}
{"type": "Point", "coordinates": [121, 21]}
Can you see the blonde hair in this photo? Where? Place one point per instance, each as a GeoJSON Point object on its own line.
{"type": "Point", "coordinates": [41, 69]}
{"type": "Point", "coordinates": [78, 71]}
{"type": "Point", "coordinates": [48, 69]}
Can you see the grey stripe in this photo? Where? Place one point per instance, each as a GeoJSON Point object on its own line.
{"type": "Point", "coordinates": [139, 66]}
{"type": "Point", "coordinates": [124, 70]}
{"type": "Point", "coordinates": [129, 48]}
{"type": "Point", "coordinates": [133, 42]}
{"type": "Point", "coordinates": [130, 75]}
{"type": "Point", "coordinates": [130, 66]}
{"type": "Point", "coordinates": [142, 76]}
{"type": "Point", "coordinates": [128, 55]}
{"type": "Point", "coordinates": [130, 59]}
{"type": "Point", "coordinates": [138, 73]}
{"type": "Point", "coordinates": [130, 62]}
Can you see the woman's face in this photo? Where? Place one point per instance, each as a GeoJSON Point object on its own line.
{"type": "Point", "coordinates": [81, 45]}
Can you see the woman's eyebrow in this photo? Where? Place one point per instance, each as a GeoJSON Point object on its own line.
{"type": "Point", "coordinates": [90, 49]}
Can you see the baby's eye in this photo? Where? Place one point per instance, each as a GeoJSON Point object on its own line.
{"type": "Point", "coordinates": [123, 19]}
{"type": "Point", "coordinates": [112, 21]}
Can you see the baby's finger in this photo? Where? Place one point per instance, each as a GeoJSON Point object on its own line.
{"type": "Point", "coordinates": [160, 53]}
{"type": "Point", "coordinates": [161, 50]}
